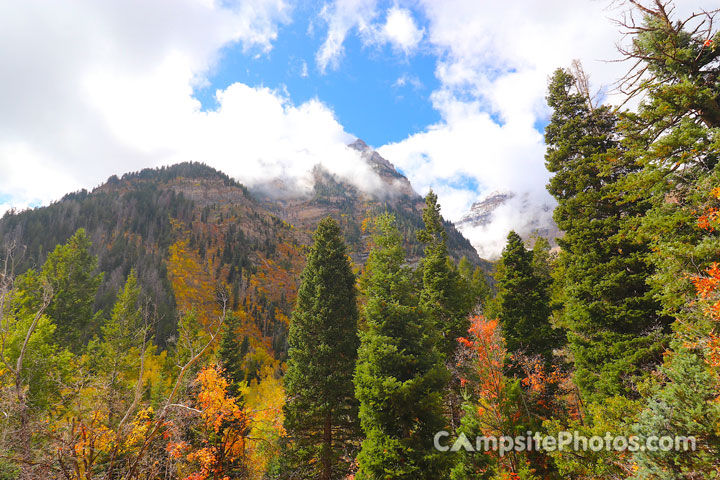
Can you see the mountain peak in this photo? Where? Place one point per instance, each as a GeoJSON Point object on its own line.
{"type": "Point", "coordinates": [359, 145]}
{"type": "Point", "coordinates": [386, 170]}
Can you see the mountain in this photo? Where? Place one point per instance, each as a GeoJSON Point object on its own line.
{"type": "Point", "coordinates": [338, 197]}
{"type": "Point", "coordinates": [189, 230]}
{"type": "Point", "coordinates": [489, 220]}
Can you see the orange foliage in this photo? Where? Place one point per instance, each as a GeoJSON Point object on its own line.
{"type": "Point", "coordinates": [537, 379]}
{"type": "Point", "coordinates": [216, 406]}
{"type": "Point", "coordinates": [486, 346]}
{"type": "Point", "coordinates": [224, 430]}
{"type": "Point", "coordinates": [710, 219]}
{"type": "Point", "coordinates": [708, 290]}
{"type": "Point", "coordinates": [90, 440]}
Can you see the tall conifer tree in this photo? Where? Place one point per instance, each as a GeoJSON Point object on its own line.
{"type": "Point", "coordinates": [124, 341]}
{"type": "Point", "coordinates": [400, 376]}
{"type": "Point", "coordinates": [523, 301]}
{"type": "Point", "coordinates": [614, 331]}
{"type": "Point", "coordinates": [70, 270]}
{"type": "Point", "coordinates": [232, 353]}
{"type": "Point", "coordinates": [321, 410]}
{"type": "Point", "coordinates": [675, 136]}
{"type": "Point", "coordinates": [441, 298]}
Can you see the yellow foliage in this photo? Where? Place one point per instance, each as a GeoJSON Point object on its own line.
{"type": "Point", "coordinates": [265, 401]}
{"type": "Point", "coordinates": [192, 284]}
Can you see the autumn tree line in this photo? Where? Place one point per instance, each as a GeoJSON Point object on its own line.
{"type": "Point", "coordinates": [615, 332]}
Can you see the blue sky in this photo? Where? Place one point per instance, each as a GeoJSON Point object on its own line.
{"type": "Point", "coordinates": [377, 93]}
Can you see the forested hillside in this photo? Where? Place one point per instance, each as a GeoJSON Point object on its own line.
{"type": "Point", "coordinates": [173, 324]}
{"type": "Point", "coordinates": [188, 228]}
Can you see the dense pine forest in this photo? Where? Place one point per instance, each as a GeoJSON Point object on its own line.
{"type": "Point", "coordinates": [174, 324]}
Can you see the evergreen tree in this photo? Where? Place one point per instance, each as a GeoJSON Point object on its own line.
{"type": "Point", "coordinates": [117, 357]}
{"type": "Point", "coordinates": [71, 272]}
{"type": "Point", "coordinates": [614, 332]}
{"type": "Point", "coordinates": [441, 298]}
{"type": "Point", "coordinates": [400, 376]}
{"type": "Point", "coordinates": [473, 284]}
{"type": "Point", "coordinates": [321, 411]}
{"type": "Point", "coordinates": [523, 301]}
{"type": "Point", "coordinates": [675, 137]}
{"type": "Point", "coordinates": [232, 353]}
{"type": "Point", "coordinates": [542, 262]}
{"type": "Point", "coordinates": [685, 406]}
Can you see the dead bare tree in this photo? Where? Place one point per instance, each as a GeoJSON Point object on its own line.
{"type": "Point", "coordinates": [582, 83]}
{"type": "Point", "coordinates": [8, 322]}
{"type": "Point", "coordinates": [663, 52]}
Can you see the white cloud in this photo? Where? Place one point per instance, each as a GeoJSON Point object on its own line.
{"type": "Point", "coordinates": [400, 30]}
{"type": "Point", "coordinates": [519, 213]}
{"type": "Point", "coordinates": [100, 88]}
{"type": "Point", "coordinates": [257, 134]}
{"type": "Point", "coordinates": [28, 178]}
{"type": "Point", "coordinates": [342, 16]}
{"type": "Point", "coordinates": [469, 143]}
{"type": "Point", "coordinates": [407, 79]}
{"type": "Point", "coordinates": [494, 60]}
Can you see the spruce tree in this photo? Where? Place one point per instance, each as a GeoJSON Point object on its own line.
{"type": "Point", "coordinates": [674, 137]}
{"type": "Point", "coordinates": [321, 411]}
{"type": "Point", "coordinates": [232, 353]}
{"type": "Point", "coordinates": [400, 376]}
{"type": "Point", "coordinates": [523, 301]}
{"type": "Point", "coordinates": [473, 284]}
{"type": "Point", "coordinates": [614, 332]}
{"type": "Point", "coordinates": [441, 298]}
{"type": "Point", "coordinates": [70, 270]}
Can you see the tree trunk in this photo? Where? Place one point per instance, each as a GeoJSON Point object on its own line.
{"type": "Point", "coordinates": [26, 470]}
{"type": "Point", "coordinates": [327, 448]}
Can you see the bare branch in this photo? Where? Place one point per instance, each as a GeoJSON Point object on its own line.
{"type": "Point", "coordinates": [169, 402]}
{"type": "Point", "coordinates": [179, 405]}
{"type": "Point", "coordinates": [47, 296]}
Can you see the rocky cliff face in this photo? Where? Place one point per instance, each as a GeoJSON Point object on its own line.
{"type": "Point", "coordinates": [385, 170]}
{"type": "Point", "coordinates": [481, 212]}
{"type": "Point", "coordinates": [490, 219]}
